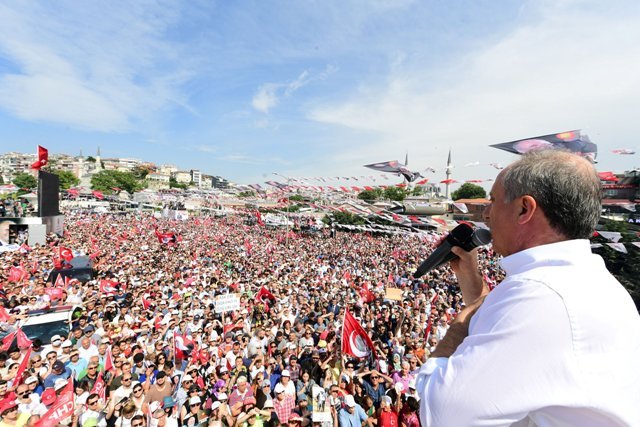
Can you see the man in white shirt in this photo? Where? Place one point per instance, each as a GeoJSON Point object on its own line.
{"type": "Point", "coordinates": [542, 348]}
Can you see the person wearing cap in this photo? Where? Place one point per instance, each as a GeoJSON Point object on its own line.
{"type": "Point", "coordinates": [303, 410]}
{"type": "Point", "coordinates": [160, 389]}
{"type": "Point", "coordinates": [10, 414]}
{"type": "Point", "coordinates": [287, 384]}
{"type": "Point", "coordinates": [387, 414]}
{"type": "Point", "coordinates": [76, 364]}
{"type": "Point", "coordinates": [56, 345]}
{"type": "Point", "coordinates": [352, 414]}
{"type": "Point", "coordinates": [220, 413]}
{"type": "Point", "coordinates": [192, 413]}
{"type": "Point", "coordinates": [58, 371]}
{"type": "Point", "coordinates": [283, 404]}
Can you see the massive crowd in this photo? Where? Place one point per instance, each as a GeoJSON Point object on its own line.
{"type": "Point", "coordinates": [148, 326]}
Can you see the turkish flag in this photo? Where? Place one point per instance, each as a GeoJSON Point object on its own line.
{"type": "Point", "coordinates": [73, 192]}
{"type": "Point", "coordinates": [61, 409]}
{"type": "Point", "coordinates": [98, 194]}
{"type": "Point", "coordinates": [65, 253]}
{"type": "Point", "coordinates": [366, 294]}
{"type": "Point", "coordinates": [264, 293]}
{"type": "Point", "coordinates": [43, 158]}
{"type": "Point", "coordinates": [355, 340]}
{"type": "Point", "coordinates": [108, 286]}
{"type": "Point", "coordinates": [99, 387]}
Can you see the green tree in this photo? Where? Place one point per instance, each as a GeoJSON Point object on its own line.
{"type": "Point", "coordinates": [25, 180]}
{"type": "Point", "coordinates": [90, 159]}
{"type": "Point", "coordinates": [343, 218]}
{"type": "Point", "coordinates": [469, 190]}
{"type": "Point", "coordinates": [397, 194]}
{"type": "Point", "coordinates": [296, 198]}
{"type": "Point", "coordinates": [106, 180]}
{"type": "Point", "coordinates": [1, 180]}
{"type": "Point", "coordinates": [418, 191]}
{"type": "Point", "coordinates": [67, 178]}
{"type": "Point", "coordinates": [175, 184]}
{"type": "Point", "coordinates": [246, 194]}
{"type": "Point", "coordinates": [370, 195]}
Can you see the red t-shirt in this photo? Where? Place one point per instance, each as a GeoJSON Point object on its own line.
{"type": "Point", "coordinates": [388, 419]}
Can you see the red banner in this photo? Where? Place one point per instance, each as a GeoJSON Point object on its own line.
{"type": "Point", "coordinates": [61, 409]}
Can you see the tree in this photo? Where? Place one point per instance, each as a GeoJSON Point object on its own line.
{"type": "Point", "coordinates": [1, 180]}
{"type": "Point", "coordinates": [90, 159]}
{"type": "Point", "coordinates": [469, 190]}
{"type": "Point", "coordinates": [141, 171]}
{"type": "Point", "coordinates": [395, 193]}
{"type": "Point", "coordinates": [67, 179]}
{"type": "Point", "coordinates": [175, 184]}
{"type": "Point", "coordinates": [343, 218]}
{"type": "Point", "coordinates": [25, 180]}
{"type": "Point", "coordinates": [296, 198]}
{"type": "Point", "coordinates": [370, 195]}
{"type": "Point", "coordinates": [246, 194]}
{"type": "Point", "coordinates": [106, 180]}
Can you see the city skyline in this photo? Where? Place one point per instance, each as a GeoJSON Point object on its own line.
{"type": "Point", "coordinates": [317, 89]}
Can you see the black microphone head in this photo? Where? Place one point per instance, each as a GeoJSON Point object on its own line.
{"type": "Point", "coordinates": [481, 237]}
{"type": "Point", "coordinates": [461, 234]}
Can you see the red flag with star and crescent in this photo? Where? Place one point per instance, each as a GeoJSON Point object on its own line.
{"type": "Point", "coordinates": [355, 340]}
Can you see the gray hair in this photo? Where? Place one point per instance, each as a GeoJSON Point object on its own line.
{"type": "Point", "coordinates": [565, 186]}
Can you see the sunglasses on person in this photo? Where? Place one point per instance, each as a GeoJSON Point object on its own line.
{"type": "Point", "coordinates": [93, 402]}
{"type": "Point", "coordinates": [137, 424]}
{"type": "Point", "coordinates": [126, 379]}
{"type": "Point", "coordinates": [194, 405]}
{"type": "Point", "coordinates": [136, 390]}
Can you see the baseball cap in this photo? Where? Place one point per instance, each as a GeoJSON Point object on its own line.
{"type": "Point", "coordinates": [58, 365]}
{"type": "Point", "coordinates": [215, 405]}
{"type": "Point", "coordinates": [278, 389]}
{"type": "Point", "coordinates": [60, 384]}
{"type": "Point", "coordinates": [67, 343]}
{"type": "Point", "coordinates": [286, 373]}
{"type": "Point", "coordinates": [187, 378]}
{"type": "Point", "coordinates": [223, 396]}
{"type": "Point", "coordinates": [194, 400]}
{"type": "Point", "coordinates": [48, 396]}
{"type": "Point", "coordinates": [348, 400]}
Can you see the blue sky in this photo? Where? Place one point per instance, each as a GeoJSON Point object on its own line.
{"type": "Point", "coordinates": [317, 88]}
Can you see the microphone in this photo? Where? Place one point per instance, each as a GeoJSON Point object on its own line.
{"type": "Point", "coordinates": [463, 236]}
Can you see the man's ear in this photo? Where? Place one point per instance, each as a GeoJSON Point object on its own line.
{"type": "Point", "coordinates": [528, 207]}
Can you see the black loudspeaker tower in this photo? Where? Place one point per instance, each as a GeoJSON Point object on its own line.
{"type": "Point", "coordinates": [48, 194]}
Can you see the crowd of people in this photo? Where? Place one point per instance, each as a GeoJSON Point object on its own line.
{"type": "Point", "coordinates": [148, 328]}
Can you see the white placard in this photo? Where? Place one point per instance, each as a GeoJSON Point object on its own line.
{"type": "Point", "coordinates": [227, 302]}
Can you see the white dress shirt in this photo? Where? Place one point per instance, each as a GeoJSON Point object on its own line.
{"type": "Point", "coordinates": [557, 343]}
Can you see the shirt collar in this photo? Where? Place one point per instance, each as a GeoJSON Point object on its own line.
{"type": "Point", "coordinates": [562, 253]}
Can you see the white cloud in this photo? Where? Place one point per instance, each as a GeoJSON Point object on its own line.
{"type": "Point", "coordinates": [574, 67]}
{"type": "Point", "coordinates": [90, 66]}
{"type": "Point", "coordinates": [269, 94]}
